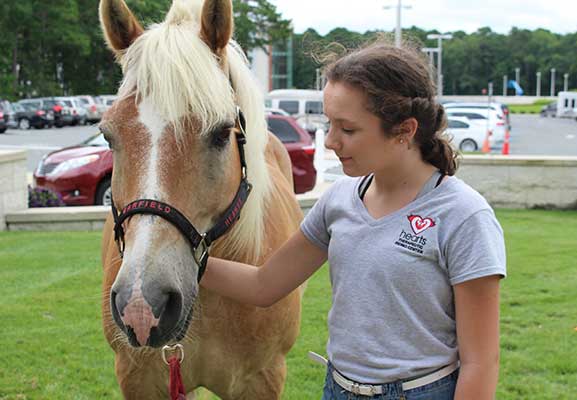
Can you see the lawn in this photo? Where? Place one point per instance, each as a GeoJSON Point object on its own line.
{"type": "Point", "coordinates": [534, 108]}
{"type": "Point", "coordinates": [52, 345]}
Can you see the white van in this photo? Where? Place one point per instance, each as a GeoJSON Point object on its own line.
{"type": "Point", "coordinates": [306, 106]}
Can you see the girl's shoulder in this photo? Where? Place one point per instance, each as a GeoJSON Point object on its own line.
{"type": "Point", "coordinates": [457, 196]}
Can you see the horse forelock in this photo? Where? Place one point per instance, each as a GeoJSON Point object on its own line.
{"type": "Point", "coordinates": [175, 71]}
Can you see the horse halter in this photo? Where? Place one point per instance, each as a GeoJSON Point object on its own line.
{"type": "Point", "coordinates": [199, 242]}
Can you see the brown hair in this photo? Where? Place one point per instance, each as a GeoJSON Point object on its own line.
{"type": "Point", "coordinates": [398, 86]}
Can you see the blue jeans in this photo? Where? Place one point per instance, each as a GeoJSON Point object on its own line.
{"type": "Point", "coordinates": [443, 389]}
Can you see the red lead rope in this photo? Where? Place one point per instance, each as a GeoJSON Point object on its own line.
{"type": "Point", "coordinates": [175, 385]}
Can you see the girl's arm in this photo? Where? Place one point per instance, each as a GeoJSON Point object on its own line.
{"type": "Point", "coordinates": [263, 286]}
{"type": "Point", "coordinates": [477, 314]}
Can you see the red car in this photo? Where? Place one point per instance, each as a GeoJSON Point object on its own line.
{"type": "Point", "coordinates": [81, 174]}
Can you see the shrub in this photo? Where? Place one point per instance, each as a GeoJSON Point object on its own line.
{"type": "Point", "coordinates": [41, 197]}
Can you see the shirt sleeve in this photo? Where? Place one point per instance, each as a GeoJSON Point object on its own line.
{"type": "Point", "coordinates": [314, 225]}
{"type": "Point", "coordinates": [476, 249]}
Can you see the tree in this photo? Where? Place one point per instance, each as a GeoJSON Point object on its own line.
{"type": "Point", "coordinates": [258, 24]}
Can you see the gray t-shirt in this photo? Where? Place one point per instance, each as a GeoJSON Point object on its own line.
{"type": "Point", "coordinates": [393, 313]}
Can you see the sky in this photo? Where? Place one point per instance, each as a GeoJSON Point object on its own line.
{"type": "Point", "coordinates": [559, 16]}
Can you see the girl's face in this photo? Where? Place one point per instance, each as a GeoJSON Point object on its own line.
{"type": "Point", "coordinates": [355, 134]}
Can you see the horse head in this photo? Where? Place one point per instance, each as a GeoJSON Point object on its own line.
{"type": "Point", "coordinates": [172, 132]}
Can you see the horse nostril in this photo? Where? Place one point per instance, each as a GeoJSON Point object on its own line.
{"type": "Point", "coordinates": [172, 311]}
{"type": "Point", "coordinates": [119, 300]}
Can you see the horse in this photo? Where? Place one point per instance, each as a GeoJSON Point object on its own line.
{"type": "Point", "coordinates": [185, 107]}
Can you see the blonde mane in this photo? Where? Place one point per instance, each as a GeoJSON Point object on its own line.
{"type": "Point", "coordinates": [174, 69]}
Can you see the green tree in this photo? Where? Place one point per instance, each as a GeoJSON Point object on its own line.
{"type": "Point", "coordinates": [258, 24]}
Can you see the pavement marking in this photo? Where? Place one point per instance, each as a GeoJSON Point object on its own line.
{"type": "Point", "coordinates": [570, 136]}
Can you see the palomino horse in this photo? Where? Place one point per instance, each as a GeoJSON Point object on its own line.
{"type": "Point", "coordinates": [172, 132]}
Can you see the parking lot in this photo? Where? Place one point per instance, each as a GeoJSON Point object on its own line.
{"type": "Point", "coordinates": [530, 135]}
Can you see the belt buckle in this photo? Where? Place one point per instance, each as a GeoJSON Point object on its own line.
{"type": "Point", "coordinates": [356, 388]}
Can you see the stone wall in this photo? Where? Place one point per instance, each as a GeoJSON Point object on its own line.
{"type": "Point", "coordinates": [523, 181]}
{"type": "Point", "coordinates": [13, 189]}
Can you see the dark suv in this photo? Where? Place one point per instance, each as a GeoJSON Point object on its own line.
{"type": "Point", "coordinates": [28, 116]}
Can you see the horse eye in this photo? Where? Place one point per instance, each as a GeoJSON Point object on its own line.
{"type": "Point", "coordinates": [220, 137]}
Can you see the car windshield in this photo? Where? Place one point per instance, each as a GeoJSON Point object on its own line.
{"type": "Point", "coordinates": [96, 140]}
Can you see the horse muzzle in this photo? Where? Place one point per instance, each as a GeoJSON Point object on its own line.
{"type": "Point", "coordinates": [150, 315]}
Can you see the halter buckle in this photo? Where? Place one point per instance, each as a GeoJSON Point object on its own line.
{"type": "Point", "coordinates": [200, 253]}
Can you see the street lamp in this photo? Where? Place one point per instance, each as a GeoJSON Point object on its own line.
{"type": "Point", "coordinates": [439, 38]}
{"type": "Point", "coordinates": [538, 93]}
{"type": "Point", "coordinates": [565, 82]}
{"type": "Point", "coordinates": [431, 53]}
{"type": "Point", "coordinates": [399, 6]}
{"type": "Point", "coordinates": [505, 79]}
{"type": "Point", "coordinates": [552, 82]}
{"type": "Point", "coordinates": [517, 71]}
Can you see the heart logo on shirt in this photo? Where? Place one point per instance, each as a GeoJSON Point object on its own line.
{"type": "Point", "coordinates": [419, 225]}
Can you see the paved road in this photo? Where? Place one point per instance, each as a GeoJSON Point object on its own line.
{"type": "Point", "coordinates": [531, 135]}
{"type": "Point", "coordinates": [38, 142]}
{"type": "Point", "coordinates": [534, 135]}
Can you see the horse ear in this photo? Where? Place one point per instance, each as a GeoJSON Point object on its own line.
{"type": "Point", "coordinates": [120, 26]}
{"type": "Point", "coordinates": [217, 24]}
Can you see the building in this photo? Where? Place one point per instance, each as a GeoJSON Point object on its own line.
{"type": "Point", "coordinates": [273, 68]}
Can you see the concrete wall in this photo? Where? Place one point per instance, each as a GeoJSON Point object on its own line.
{"type": "Point", "coordinates": [13, 189]}
{"type": "Point", "coordinates": [523, 181]}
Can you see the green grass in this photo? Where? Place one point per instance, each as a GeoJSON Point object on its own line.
{"type": "Point", "coordinates": [534, 108]}
{"type": "Point", "coordinates": [52, 347]}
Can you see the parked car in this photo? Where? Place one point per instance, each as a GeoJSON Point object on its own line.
{"type": "Point", "coordinates": [8, 114]}
{"type": "Point", "coordinates": [306, 106]}
{"type": "Point", "coordinates": [81, 174]}
{"type": "Point", "coordinates": [276, 111]}
{"type": "Point", "coordinates": [468, 135]}
{"type": "Point", "coordinates": [502, 110]}
{"type": "Point", "coordinates": [62, 114]}
{"type": "Point", "coordinates": [296, 101]}
{"type": "Point", "coordinates": [77, 111]}
{"type": "Point", "coordinates": [94, 110]}
{"type": "Point", "coordinates": [105, 100]}
{"type": "Point", "coordinates": [549, 110]}
{"type": "Point", "coordinates": [3, 125]}
{"type": "Point", "coordinates": [28, 116]}
{"type": "Point", "coordinates": [489, 117]}
{"type": "Point", "coordinates": [301, 150]}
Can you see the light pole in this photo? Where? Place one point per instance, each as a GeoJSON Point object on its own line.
{"type": "Point", "coordinates": [517, 73]}
{"type": "Point", "coordinates": [505, 78]}
{"type": "Point", "coordinates": [538, 93]}
{"type": "Point", "coordinates": [552, 82]}
{"type": "Point", "coordinates": [565, 82]}
{"type": "Point", "coordinates": [399, 6]}
{"type": "Point", "coordinates": [431, 53]}
{"type": "Point", "coordinates": [439, 38]}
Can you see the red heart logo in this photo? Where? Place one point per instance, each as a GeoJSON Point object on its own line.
{"type": "Point", "coordinates": [419, 225]}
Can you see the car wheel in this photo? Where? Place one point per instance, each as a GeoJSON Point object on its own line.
{"type": "Point", "coordinates": [24, 124]}
{"type": "Point", "coordinates": [103, 193]}
{"type": "Point", "coordinates": [2, 130]}
{"type": "Point", "coordinates": [468, 145]}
